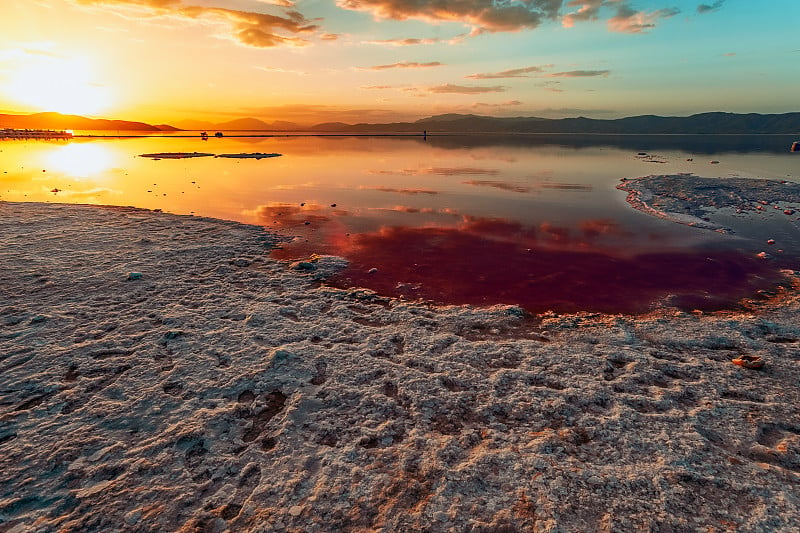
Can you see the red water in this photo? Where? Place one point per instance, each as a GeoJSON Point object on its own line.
{"type": "Point", "coordinates": [493, 261]}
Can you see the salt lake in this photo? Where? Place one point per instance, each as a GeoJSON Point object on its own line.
{"type": "Point", "coordinates": [531, 220]}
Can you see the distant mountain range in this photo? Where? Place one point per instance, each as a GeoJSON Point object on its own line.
{"type": "Point", "coordinates": [703, 123]}
{"type": "Point", "coordinates": [58, 121]}
{"type": "Point", "coordinates": [240, 124]}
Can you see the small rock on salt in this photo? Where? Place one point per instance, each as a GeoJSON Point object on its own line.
{"type": "Point", "coordinates": [303, 265]}
{"type": "Point", "coordinates": [132, 517]}
{"type": "Point", "coordinates": [595, 481]}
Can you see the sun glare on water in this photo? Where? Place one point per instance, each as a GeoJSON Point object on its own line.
{"type": "Point", "coordinates": [81, 160]}
{"type": "Point", "coordinates": [64, 85]}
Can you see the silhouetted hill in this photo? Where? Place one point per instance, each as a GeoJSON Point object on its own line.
{"type": "Point", "coordinates": [282, 125]}
{"type": "Point", "coordinates": [57, 121]}
{"type": "Point", "coordinates": [342, 127]}
{"type": "Point", "coordinates": [703, 123]}
{"type": "Point", "coordinates": [239, 124]}
{"type": "Point", "coordinates": [244, 124]}
{"type": "Point", "coordinates": [198, 125]}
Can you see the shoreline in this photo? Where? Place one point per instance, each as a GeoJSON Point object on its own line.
{"type": "Point", "coordinates": [686, 198]}
{"type": "Point", "coordinates": [225, 390]}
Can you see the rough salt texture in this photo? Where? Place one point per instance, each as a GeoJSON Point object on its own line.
{"type": "Point", "coordinates": [227, 391]}
{"type": "Point", "coordinates": [687, 199]}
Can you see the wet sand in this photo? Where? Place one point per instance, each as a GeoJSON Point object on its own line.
{"type": "Point", "coordinates": [225, 390]}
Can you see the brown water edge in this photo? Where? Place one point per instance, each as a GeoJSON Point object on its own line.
{"type": "Point", "coordinates": [450, 266]}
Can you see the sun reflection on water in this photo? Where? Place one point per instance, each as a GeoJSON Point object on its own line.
{"type": "Point", "coordinates": [82, 160]}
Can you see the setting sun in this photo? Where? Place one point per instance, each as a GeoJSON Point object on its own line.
{"type": "Point", "coordinates": [64, 85]}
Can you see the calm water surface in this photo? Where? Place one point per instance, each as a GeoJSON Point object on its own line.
{"type": "Point", "coordinates": [529, 220]}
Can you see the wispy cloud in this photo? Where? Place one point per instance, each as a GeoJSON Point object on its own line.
{"type": "Point", "coordinates": [282, 3]}
{"type": "Point", "coordinates": [259, 30]}
{"type": "Point", "coordinates": [628, 20]}
{"type": "Point", "coordinates": [465, 89]}
{"type": "Point", "coordinates": [708, 8]}
{"type": "Point", "coordinates": [587, 10]}
{"type": "Point", "coordinates": [317, 113]}
{"type": "Point", "coordinates": [256, 29]}
{"type": "Point", "coordinates": [404, 42]}
{"type": "Point", "coordinates": [481, 15]}
{"type": "Point", "coordinates": [413, 41]}
{"type": "Point", "coordinates": [578, 74]}
{"type": "Point", "coordinates": [22, 50]}
{"type": "Point", "coordinates": [538, 72]}
{"type": "Point", "coordinates": [625, 20]}
{"type": "Point", "coordinates": [42, 52]}
{"type": "Point", "coordinates": [512, 73]}
{"type": "Point", "coordinates": [509, 103]}
{"type": "Point", "coordinates": [404, 64]}
{"type": "Point", "coordinates": [280, 70]}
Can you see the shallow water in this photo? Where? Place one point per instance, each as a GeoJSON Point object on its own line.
{"type": "Point", "coordinates": [529, 220]}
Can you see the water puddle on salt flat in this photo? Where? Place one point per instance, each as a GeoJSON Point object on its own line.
{"type": "Point", "coordinates": [489, 262]}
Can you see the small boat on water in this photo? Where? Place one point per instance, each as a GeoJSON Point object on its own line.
{"type": "Point", "coordinates": [795, 146]}
{"type": "Point", "coordinates": [13, 133]}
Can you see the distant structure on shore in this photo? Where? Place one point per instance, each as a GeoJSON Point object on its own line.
{"type": "Point", "coordinates": [12, 133]}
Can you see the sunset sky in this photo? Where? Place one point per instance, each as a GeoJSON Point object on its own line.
{"type": "Point", "coordinates": [311, 61]}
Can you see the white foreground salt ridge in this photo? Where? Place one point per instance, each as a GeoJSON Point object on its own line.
{"type": "Point", "coordinates": [226, 391]}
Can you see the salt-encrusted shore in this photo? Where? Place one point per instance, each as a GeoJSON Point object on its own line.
{"type": "Point", "coordinates": [687, 199]}
{"type": "Point", "coordinates": [225, 391]}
